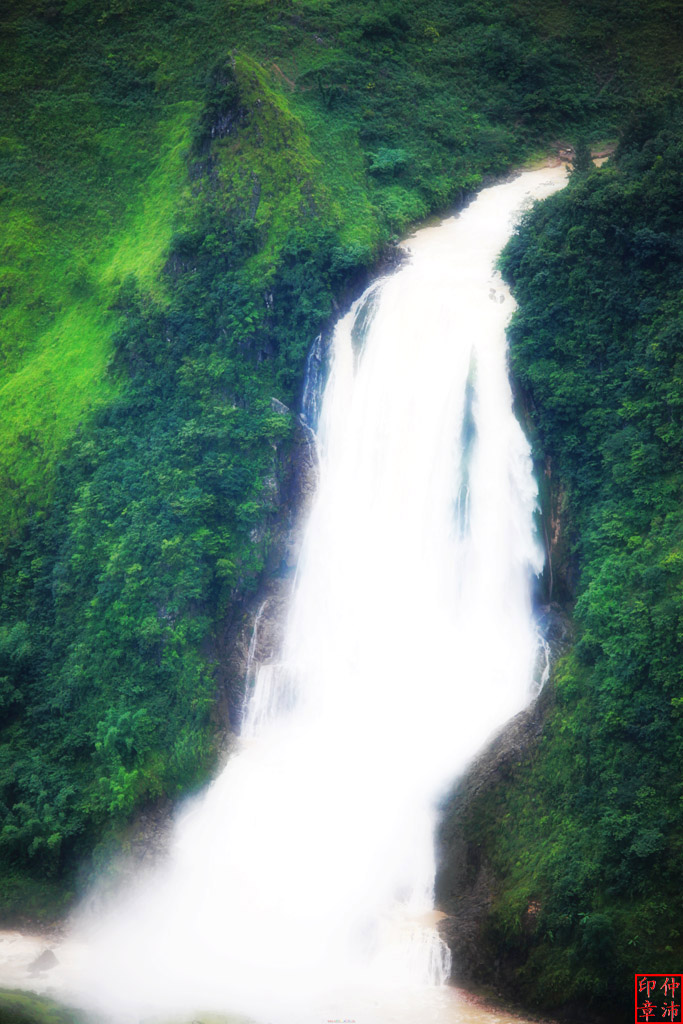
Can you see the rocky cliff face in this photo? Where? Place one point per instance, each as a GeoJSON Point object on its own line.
{"type": "Point", "coordinates": [467, 882]}
{"type": "Point", "coordinates": [561, 571]}
{"type": "Point", "coordinates": [252, 631]}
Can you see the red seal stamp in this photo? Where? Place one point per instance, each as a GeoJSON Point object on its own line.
{"type": "Point", "coordinates": [658, 998]}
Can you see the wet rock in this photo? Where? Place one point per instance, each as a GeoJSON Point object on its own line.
{"type": "Point", "coordinates": [149, 837]}
{"type": "Point", "coordinates": [465, 883]}
{"type": "Point", "coordinates": [556, 628]}
{"type": "Point", "coordinates": [317, 366]}
{"type": "Point", "coordinates": [45, 962]}
{"type": "Point", "coordinates": [121, 856]}
{"type": "Point", "coordinates": [256, 624]}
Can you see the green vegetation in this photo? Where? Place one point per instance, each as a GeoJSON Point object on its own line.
{"type": "Point", "coordinates": [190, 188]}
{"type": "Point", "coordinates": [27, 1008]}
{"type": "Point", "coordinates": [588, 831]}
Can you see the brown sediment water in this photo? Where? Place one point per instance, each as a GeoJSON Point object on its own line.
{"type": "Point", "coordinates": [444, 1005]}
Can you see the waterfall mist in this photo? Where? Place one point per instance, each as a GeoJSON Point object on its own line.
{"type": "Point", "coordinates": [307, 868]}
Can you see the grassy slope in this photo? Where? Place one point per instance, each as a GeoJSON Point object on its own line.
{"type": "Point", "coordinates": [94, 177]}
{"type": "Point", "coordinates": [95, 136]}
{"type": "Point", "coordinates": [188, 187]}
{"type": "Point", "coordinates": [101, 98]}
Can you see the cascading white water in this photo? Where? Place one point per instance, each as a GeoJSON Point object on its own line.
{"type": "Point", "coordinates": [308, 866]}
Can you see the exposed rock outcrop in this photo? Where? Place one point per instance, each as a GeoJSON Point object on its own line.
{"type": "Point", "coordinates": [466, 882]}
{"type": "Point", "coordinates": [561, 572]}
{"type": "Point", "coordinates": [44, 962]}
{"type": "Point", "coordinates": [294, 479]}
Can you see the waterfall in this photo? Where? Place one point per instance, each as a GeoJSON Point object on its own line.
{"type": "Point", "coordinates": [313, 383]}
{"type": "Point", "coordinates": [307, 867]}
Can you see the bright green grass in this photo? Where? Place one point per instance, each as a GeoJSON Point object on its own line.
{"type": "Point", "coordinates": [342, 173]}
{"type": "Point", "coordinates": [142, 246]}
{"type": "Point", "coordinates": [55, 377]}
{"type": "Point", "coordinates": [43, 402]}
{"type": "Point", "coordinates": [60, 276]}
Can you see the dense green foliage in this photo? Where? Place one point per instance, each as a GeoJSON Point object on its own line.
{"type": "Point", "coordinates": [593, 819]}
{"type": "Point", "coordinates": [25, 1008]}
{"type": "Point", "coordinates": [158, 512]}
{"type": "Point", "coordinates": [188, 189]}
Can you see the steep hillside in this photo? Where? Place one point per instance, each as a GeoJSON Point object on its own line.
{"type": "Point", "coordinates": [579, 835]}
